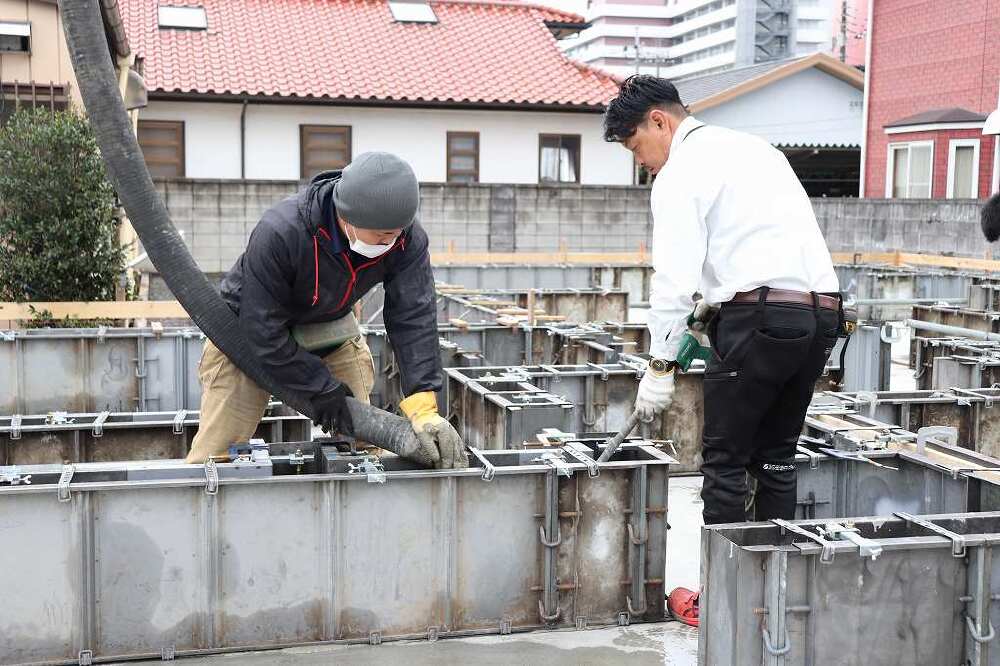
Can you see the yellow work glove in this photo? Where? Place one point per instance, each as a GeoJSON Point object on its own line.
{"type": "Point", "coordinates": [440, 444]}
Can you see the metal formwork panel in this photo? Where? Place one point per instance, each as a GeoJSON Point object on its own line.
{"type": "Point", "coordinates": [501, 407]}
{"type": "Point", "coordinates": [148, 554]}
{"type": "Point", "coordinates": [42, 587]}
{"type": "Point", "coordinates": [635, 280]}
{"type": "Point", "coordinates": [867, 361]}
{"type": "Point", "coordinates": [69, 437]}
{"type": "Point", "coordinates": [973, 413]}
{"type": "Point", "coordinates": [275, 589]}
{"type": "Point", "coordinates": [497, 276]}
{"type": "Point", "coordinates": [83, 370]}
{"type": "Point", "coordinates": [776, 596]}
{"type": "Point", "coordinates": [178, 566]}
{"type": "Point", "coordinates": [487, 588]}
{"type": "Point", "coordinates": [887, 283]}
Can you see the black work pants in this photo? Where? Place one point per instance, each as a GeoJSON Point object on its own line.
{"type": "Point", "coordinates": [758, 386]}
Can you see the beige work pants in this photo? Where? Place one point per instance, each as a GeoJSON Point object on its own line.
{"type": "Point", "coordinates": [232, 404]}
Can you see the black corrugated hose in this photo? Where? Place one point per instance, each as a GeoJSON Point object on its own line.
{"type": "Point", "coordinates": [95, 74]}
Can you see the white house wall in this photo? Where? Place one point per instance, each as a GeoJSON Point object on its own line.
{"type": "Point", "coordinates": [211, 136]}
{"type": "Point", "coordinates": [508, 140]}
{"type": "Point", "coordinates": [809, 108]}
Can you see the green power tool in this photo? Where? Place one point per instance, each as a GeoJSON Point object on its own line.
{"type": "Point", "coordinates": [694, 343]}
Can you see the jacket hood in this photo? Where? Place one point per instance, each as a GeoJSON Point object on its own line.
{"type": "Point", "coordinates": [316, 208]}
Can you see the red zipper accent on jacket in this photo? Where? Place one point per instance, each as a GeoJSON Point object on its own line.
{"type": "Point", "coordinates": [316, 264]}
{"type": "Point", "coordinates": [355, 271]}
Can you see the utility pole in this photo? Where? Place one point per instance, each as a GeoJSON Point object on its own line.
{"type": "Point", "coordinates": [843, 30]}
{"type": "Point", "coordinates": [637, 55]}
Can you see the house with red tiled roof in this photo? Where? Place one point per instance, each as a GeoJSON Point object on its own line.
{"type": "Point", "coordinates": [465, 90]}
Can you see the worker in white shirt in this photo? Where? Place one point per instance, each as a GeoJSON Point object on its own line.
{"type": "Point", "coordinates": [732, 222]}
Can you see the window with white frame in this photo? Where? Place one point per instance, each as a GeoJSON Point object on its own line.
{"type": "Point", "coordinates": [909, 170]}
{"type": "Point", "coordinates": [963, 169]}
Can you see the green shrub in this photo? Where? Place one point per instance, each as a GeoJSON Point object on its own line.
{"type": "Point", "coordinates": [58, 230]}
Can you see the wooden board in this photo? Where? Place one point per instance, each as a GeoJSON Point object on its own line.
{"type": "Point", "coordinates": [96, 310]}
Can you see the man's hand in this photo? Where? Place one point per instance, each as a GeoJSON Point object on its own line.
{"type": "Point", "coordinates": [440, 444]}
{"type": "Point", "coordinates": [331, 411]}
{"type": "Point", "coordinates": [656, 390]}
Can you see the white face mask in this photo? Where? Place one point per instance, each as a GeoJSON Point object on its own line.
{"type": "Point", "coordinates": [367, 249]}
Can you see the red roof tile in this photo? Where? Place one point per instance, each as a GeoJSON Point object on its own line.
{"type": "Point", "coordinates": [478, 52]}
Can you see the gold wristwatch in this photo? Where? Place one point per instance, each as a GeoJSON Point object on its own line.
{"type": "Point", "coordinates": [660, 367]}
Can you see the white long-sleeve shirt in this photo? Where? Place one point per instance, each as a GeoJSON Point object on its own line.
{"type": "Point", "coordinates": [729, 215]}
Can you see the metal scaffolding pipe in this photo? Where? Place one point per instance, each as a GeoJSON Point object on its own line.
{"type": "Point", "coordinates": [909, 301]}
{"type": "Point", "coordinates": [956, 331]}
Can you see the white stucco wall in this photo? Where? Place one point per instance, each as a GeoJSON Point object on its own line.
{"type": "Point", "coordinates": [508, 140]}
{"type": "Point", "coordinates": [811, 108]}
{"type": "Point", "coordinates": [211, 136]}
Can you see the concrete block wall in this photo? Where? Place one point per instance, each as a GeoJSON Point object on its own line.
{"type": "Point", "coordinates": [925, 226]}
{"type": "Point", "coordinates": [217, 217]}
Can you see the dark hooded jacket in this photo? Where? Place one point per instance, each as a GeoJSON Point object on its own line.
{"type": "Point", "coordinates": [298, 269]}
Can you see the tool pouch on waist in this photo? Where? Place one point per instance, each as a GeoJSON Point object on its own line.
{"type": "Point", "coordinates": [327, 334]}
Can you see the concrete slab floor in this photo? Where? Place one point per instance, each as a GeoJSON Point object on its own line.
{"type": "Point", "coordinates": [663, 643]}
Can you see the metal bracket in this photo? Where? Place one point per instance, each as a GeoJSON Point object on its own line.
{"type": "Point", "coordinates": [866, 547]}
{"type": "Point", "coordinates": [856, 457]}
{"type": "Point", "coordinates": [13, 476]}
{"type": "Point", "coordinates": [623, 619]}
{"type": "Point", "coordinates": [769, 646]}
{"type": "Point", "coordinates": [638, 541]}
{"type": "Point", "coordinates": [179, 419]}
{"type": "Point", "coordinates": [432, 634]}
{"type": "Point", "coordinates": [976, 636]}
{"type": "Point", "coordinates": [593, 469]}
{"type": "Point", "coordinates": [62, 488]}
{"type": "Point", "coordinates": [167, 653]}
{"type": "Point", "coordinates": [958, 542]}
{"type": "Point", "coordinates": [15, 426]}
{"type": "Point", "coordinates": [814, 457]}
{"type": "Point", "coordinates": [556, 462]}
{"type": "Point", "coordinates": [948, 433]}
{"type": "Point", "coordinates": [211, 477]}
{"type": "Point", "coordinates": [604, 371]}
{"type": "Point", "coordinates": [506, 626]}
{"type": "Point", "coordinates": [375, 638]}
{"type": "Point", "coordinates": [371, 467]}
{"type": "Point", "coordinates": [869, 398]}
{"type": "Point", "coordinates": [632, 611]}
{"type": "Point", "coordinates": [545, 541]}
{"type": "Point", "coordinates": [548, 618]}
{"type": "Point", "coordinates": [826, 556]}
{"type": "Point", "coordinates": [58, 418]}
{"type": "Point", "coordinates": [98, 426]}
{"type": "Point", "coordinates": [894, 334]}
{"type": "Point", "coordinates": [85, 657]}
{"type": "Point", "coordinates": [489, 471]}
{"type": "Point", "coordinates": [102, 332]}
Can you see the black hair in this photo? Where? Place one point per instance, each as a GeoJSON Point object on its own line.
{"type": "Point", "coordinates": [990, 218]}
{"type": "Point", "coordinates": [636, 96]}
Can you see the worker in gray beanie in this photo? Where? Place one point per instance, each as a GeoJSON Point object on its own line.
{"type": "Point", "coordinates": [990, 218]}
{"type": "Point", "coordinates": [311, 257]}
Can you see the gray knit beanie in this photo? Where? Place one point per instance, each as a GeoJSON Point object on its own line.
{"type": "Point", "coordinates": [377, 191]}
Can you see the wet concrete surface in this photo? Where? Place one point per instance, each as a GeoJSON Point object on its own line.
{"type": "Point", "coordinates": [669, 643]}
{"type": "Point", "coordinates": [662, 643]}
